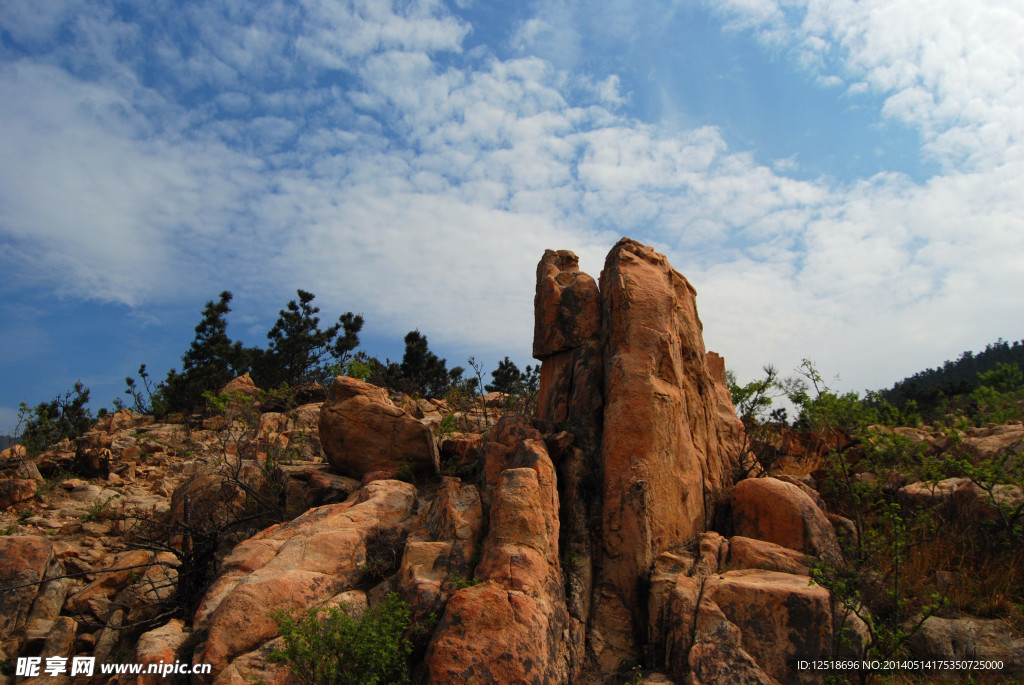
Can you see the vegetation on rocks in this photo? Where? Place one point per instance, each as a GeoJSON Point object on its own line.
{"type": "Point", "coordinates": [936, 518]}
{"type": "Point", "coordinates": [333, 647]}
{"type": "Point", "coordinates": [65, 417]}
{"type": "Point", "coordinates": [298, 351]}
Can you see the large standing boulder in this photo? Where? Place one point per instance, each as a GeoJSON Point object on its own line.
{"type": "Point", "coordinates": [361, 430]}
{"type": "Point", "coordinates": [662, 458]}
{"type": "Point", "coordinates": [567, 339]}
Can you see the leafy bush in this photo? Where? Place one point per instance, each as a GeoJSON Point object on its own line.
{"type": "Point", "coordinates": [753, 403]}
{"type": "Point", "coordinates": [331, 647]}
{"type": "Point", "coordinates": [65, 416]}
{"type": "Point", "coordinates": [153, 402]}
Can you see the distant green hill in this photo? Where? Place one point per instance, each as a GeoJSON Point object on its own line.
{"type": "Point", "coordinates": [932, 388]}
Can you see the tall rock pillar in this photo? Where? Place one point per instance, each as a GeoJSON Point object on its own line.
{"type": "Point", "coordinates": [656, 438]}
{"type": "Point", "coordinates": [566, 338]}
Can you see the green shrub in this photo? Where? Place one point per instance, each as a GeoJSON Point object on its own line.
{"type": "Point", "coordinates": [66, 416]}
{"type": "Point", "coordinates": [331, 647]}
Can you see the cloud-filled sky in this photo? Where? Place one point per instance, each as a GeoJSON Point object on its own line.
{"type": "Point", "coordinates": [839, 179]}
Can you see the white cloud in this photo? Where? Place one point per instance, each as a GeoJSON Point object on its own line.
{"type": "Point", "coordinates": [954, 69]}
{"type": "Point", "coordinates": [357, 152]}
{"type": "Point", "coordinates": [93, 205]}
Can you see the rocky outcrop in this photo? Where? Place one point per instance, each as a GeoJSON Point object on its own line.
{"type": "Point", "coordinates": [965, 499]}
{"type": "Point", "coordinates": [572, 547]}
{"type": "Point", "coordinates": [295, 565]}
{"type": "Point", "coordinates": [519, 606]}
{"type": "Point", "coordinates": [957, 639]}
{"type": "Point", "coordinates": [361, 430]}
{"type": "Point", "coordinates": [662, 459]}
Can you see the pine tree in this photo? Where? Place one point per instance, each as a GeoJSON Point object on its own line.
{"type": "Point", "coordinates": [299, 351]}
{"type": "Point", "coordinates": [422, 372]}
{"type": "Point", "coordinates": [210, 362]}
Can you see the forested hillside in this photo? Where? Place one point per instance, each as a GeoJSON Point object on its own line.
{"type": "Point", "coordinates": [931, 389]}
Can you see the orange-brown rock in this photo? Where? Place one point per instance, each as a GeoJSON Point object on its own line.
{"type": "Point", "coordinates": [15, 490]}
{"type": "Point", "coordinates": [498, 451]}
{"type": "Point", "coordinates": [991, 441]}
{"type": "Point", "coordinates": [294, 565]}
{"type": "Point", "coordinates": [751, 553]}
{"type": "Point", "coordinates": [361, 430]}
{"type": "Point", "coordinates": [566, 337]}
{"type": "Point", "coordinates": [662, 457]}
{"type": "Point", "coordinates": [743, 626]}
{"type": "Point", "coordinates": [717, 653]}
{"type": "Point", "coordinates": [243, 385]}
{"type": "Point", "coordinates": [510, 627]}
{"type": "Point", "coordinates": [930, 494]}
{"type": "Point", "coordinates": [772, 510]}
{"type": "Point", "coordinates": [423, 575]}
{"type": "Point", "coordinates": [490, 635]}
{"type": "Point", "coordinates": [567, 305]}
{"type": "Point", "coordinates": [456, 516]}
{"type": "Point", "coordinates": [23, 561]}
{"type": "Point", "coordinates": [782, 618]}
{"type": "Point", "coordinates": [161, 645]}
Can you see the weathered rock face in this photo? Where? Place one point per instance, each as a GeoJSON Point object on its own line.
{"type": "Point", "coordinates": [661, 455]}
{"type": "Point", "coordinates": [23, 561]}
{"type": "Point", "coordinates": [295, 565]}
{"type": "Point", "coordinates": [519, 608]}
{"type": "Point", "coordinates": [361, 430]}
{"type": "Point", "coordinates": [713, 619]}
{"type": "Point", "coordinates": [772, 510]}
{"type": "Point", "coordinates": [782, 618]}
{"type": "Point", "coordinates": [457, 515]}
{"type": "Point", "coordinates": [566, 337]}
{"type": "Point", "coordinates": [730, 427]}
{"type": "Point", "coordinates": [14, 490]}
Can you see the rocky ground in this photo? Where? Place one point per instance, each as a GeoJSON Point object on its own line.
{"type": "Point", "coordinates": [604, 539]}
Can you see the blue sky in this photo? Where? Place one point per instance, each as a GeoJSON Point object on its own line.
{"type": "Point", "coordinates": [839, 180]}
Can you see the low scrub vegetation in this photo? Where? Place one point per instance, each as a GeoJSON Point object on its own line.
{"type": "Point", "coordinates": [912, 557]}
{"type": "Point", "coordinates": [333, 647]}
